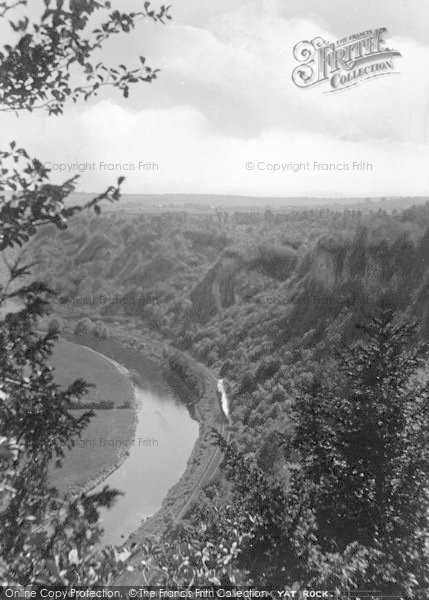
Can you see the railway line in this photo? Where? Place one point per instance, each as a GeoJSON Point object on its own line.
{"type": "Point", "coordinates": [136, 577]}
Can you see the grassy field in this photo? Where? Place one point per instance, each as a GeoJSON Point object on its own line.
{"type": "Point", "coordinates": [72, 361]}
{"type": "Point", "coordinates": [99, 449]}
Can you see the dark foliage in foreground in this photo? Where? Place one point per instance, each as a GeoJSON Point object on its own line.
{"type": "Point", "coordinates": [354, 511]}
{"type": "Point", "coordinates": [45, 538]}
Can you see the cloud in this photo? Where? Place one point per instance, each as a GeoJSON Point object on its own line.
{"type": "Point", "coordinates": [245, 59]}
{"type": "Point", "coordinates": [225, 97]}
{"type": "Point", "coordinates": [192, 157]}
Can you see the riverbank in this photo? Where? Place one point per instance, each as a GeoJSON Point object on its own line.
{"type": "Point", "coordinates": [204, 409]}
{"type": "Point", "coordinates": [93, 458]}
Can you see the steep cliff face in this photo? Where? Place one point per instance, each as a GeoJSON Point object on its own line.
{"type": "Point", "coordinates": [313, 289]}
{"type": "Point", "coordinates": [235, 278]}
{"type": "Point", "coordinates": [356, 277]}
{"type": "Point", "coordinates": [219, 289]}
{"type": "Point", "coordinates": [325, 268]}
{"type": "Point", "coordinates": [378, 268]}
{"type": "Point", "coordinates": [277, 279]}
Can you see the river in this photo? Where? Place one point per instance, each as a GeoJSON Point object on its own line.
{"type": "Point", "coordinates": [164, 438]}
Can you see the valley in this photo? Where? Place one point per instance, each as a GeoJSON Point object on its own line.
{"type": "Point", "coordinates": [250, 313]}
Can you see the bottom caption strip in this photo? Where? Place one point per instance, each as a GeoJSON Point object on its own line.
{"type": "Point", "coordinates": [158, 593]}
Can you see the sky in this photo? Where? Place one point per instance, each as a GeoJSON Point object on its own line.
{"type": "Point", "coordinates": [225, 101]}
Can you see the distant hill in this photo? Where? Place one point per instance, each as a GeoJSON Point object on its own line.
{"type": "Point", "coordinates": [207, 203]}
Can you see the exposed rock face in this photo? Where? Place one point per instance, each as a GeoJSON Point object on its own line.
{"type": "Point", "coordinates": [218, 289]}
{"type": "Point", "coordinates": [302, 276]}
{"type": "Point", "coordinates": [320, 282]}
{"type": "Point", "coordinates": [325, 269]}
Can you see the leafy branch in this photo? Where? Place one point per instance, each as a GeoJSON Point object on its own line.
{"type": "Point", "coordinates": [36, 72]}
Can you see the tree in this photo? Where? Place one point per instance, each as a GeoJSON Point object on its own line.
{"type": "Point", "coordinates": [100, 330]}
{"type": "Point", "coordinates": [363, 437]}
{"type": "Point", "coordinates": [55, 325]}
{"type": "Point", "coordinates": [45, 538]}
{"type": "Point", "coordinates": [355, 511]}
{"type": "Point", "coordinates": [36, 72]}
{"type": "Point", "coordinates": [83, 326]}
{"type": "Point", "coordinates": [259, 535]}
